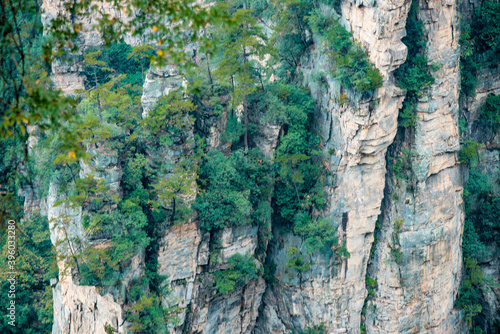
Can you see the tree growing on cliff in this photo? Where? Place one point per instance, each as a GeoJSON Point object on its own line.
{"type": "Point", "coordinates": [297, 262]}
{"type": "Point", "coordinates": [141, 53]}
{"type": "Point", "coordinates": [243, 45]}
{"type": "Point", "coordinates": [91, 61]}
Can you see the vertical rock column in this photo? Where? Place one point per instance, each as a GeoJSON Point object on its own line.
{"type": "Point", "coordinates": [355, 136]}
{"type": "Point", "coordinates": [416, 293]}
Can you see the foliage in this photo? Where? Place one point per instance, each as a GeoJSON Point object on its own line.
{"type": "Point", "coordinates": [350, 61]}
{"type": "Point", "coordinates": [468, 294]}
{"type": "Point", "coordinates": [413, 76]}
{"type": "Point", "coordinates": [482, 228]}
{"type": "Point", "coordinates": [119, 58]}
{"type": "Point", "coordinates": [269, 271]}
{"type": "Point", "coordinates": [491, 110]}
{"type": "Point", "coordinates": [402, 165]}
{"type": "Point", "coordinates": [234, 186]}
{"type": "Point", "coordinates": [485, 26]}
{"type": "Point", "coordinates": [478, 36]}
{"type": "Point", "coordinates": [27, 96]}
{"type": "Point", "coordinates": [342, 251]}
{"type": "Point", "coordinates": [148, 315]}
{"type": "Point", "coordinates": [241, 269]}
{"type": "Point", "coordinates": [299, 179]}
{"type": "Point", "coordinates": [171, 115]}
{"type": "Point", "coordinates": [482, 210]}
{"type": "Point", "coordinates": [35, 265]}
{"type": "Point", "coordinates": [396, 253]}
{"type": "Point", "coordinates": [319, 234]}
{"type": "Point", "coordinates": [291, 35]}
{"type": "Point", "coordinates": [468, 64]}
{"type": "Point", "coordinates": [371, 286]}
{"type": "Point", "coordinates": [243, 45]}
{"type": "Point", "coordinates": [174, 192]}
{"type": "Point", "coordinates": [234, 130]}
{"type": "Point", "coordinates": [314, 329]}
{"type": "Point", "coordinates": [468, 152]}
{"type": "Point", "coordinates": [297, 262]}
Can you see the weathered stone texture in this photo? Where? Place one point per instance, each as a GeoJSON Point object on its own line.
{"type": "Point", "coordinates": [418, 294]}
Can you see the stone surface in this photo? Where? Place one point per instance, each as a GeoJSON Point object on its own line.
{"type": "Point", "coordinates": [81, 309]}
{"type": "Point", "coordinates": [418, 294]}
{"type": "Point", "coordinates": [414, 296]}
{"type": "Point", "coordinates": [159, 82]}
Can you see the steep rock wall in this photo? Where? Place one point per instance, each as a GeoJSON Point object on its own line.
{"type": "Point", "coordinates": [418, 293]}
{"type": "Point", "coordinates": [359, 132]}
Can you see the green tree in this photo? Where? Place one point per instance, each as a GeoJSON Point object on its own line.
{"type": "Point", "coordinates": [35, 263]}
{"type": "Point", "coordinates": [235, 186]}
{"type": "Point", "coordinates": [413, 75]}
{"type": "Point", "coordinates": [297, 262]}
{"type": "Point", "coordinates": [241, 269]}
{"type": "Point", "coordinates": [491, 110]}
{"type": "Point", "coordinates": [92, 61]}
{"type": "Point", "coordinates": [141, 53]}
{"type": "Point", "coordinates": [175, 190]}
{"type": "Point", "coordinates": [170, 116]}
{"type": "Point", "coordinates": [242, 44]}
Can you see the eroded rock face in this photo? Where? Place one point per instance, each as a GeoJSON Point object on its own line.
{"type": "Point", "coordinates": [81, 309]}
{"type": "Point", "coordinates": [417, 292]}
{"type": "Point", "coordinates": [159, 82]}
{"type": "Point", "coordinates": [416, 295]}
{"type": "Point", "coordinates": [359, 132]}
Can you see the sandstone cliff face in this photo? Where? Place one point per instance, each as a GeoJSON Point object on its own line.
{"type": "Point", "coordinates": [359, 132]}
{"type": "Point", "coordinates": [82, 309]}
{"type": "Point", "coordinates": [416, 295]}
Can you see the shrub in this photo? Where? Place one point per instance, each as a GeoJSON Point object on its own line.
{"type": "Point", "coordinates": [468, 294]}
{"type": "Point", "coordinates": [297, 262]}
{"type": "Point", "coordinates": [314, 329]}
{"type": "Point", "coordinates": [491, 110]}
{"type": "Point", "coordinates": [241, 270]}
{"type": "Point", "coordinates": [402, 165]}
{"type": "Point", "coordinates": [318, 234]}
{"type": "Point", "coordinates": [468, 153]}
{"type": "Point", "coordinates": [351, 65]}
{"type": "Point", "coordinates": [413, 76]}
{"type": "Point", "coordinates": [170, 115]}
{"type": "Point", "coordinates": [486, 26]}
{"type": "Point", "coordinates": [234, 186]}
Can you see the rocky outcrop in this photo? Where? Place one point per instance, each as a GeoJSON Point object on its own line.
{"type": "Point", "coordinates": [81, 309]}
{"type": "Point", "coordinates": [423, 216]}
{"type": "Point", "coordinates": [159, 82]}
{"type": "Point", "coordinates": [415, 294]}
{"type": "Point", "coordinates": [358, 132]}
{"type": "Point", "coordinates": [77, 308]}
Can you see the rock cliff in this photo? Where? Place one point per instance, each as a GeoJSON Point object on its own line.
{"type": "Point", "coordinates": [365, 199]}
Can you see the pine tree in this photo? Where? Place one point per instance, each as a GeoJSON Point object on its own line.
{"type": "Point", "coordinates": [243, 44]}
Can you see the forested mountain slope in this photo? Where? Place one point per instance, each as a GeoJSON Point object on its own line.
{"type": "Point", "coordinates": [326, 167]}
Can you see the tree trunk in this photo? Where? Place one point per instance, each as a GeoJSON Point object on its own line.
{"type": "Point", "coordinates": [209, 73]}
{"type": "Point", "coordinates": [245, 104]}
{"type": "Point", "coordinates": [97, 95]}
{"type": "Point", "coordinates": [245, 115]}
{"type": "Point", "coordinates": [99, 107]}
{"type": "Point", "coordinates": [142, 69]}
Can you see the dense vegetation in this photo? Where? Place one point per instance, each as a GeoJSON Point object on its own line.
{"type": "Point", "coordinates": [350, 63]}
{"type": "Point", "coordinates": [122, 216]}
{"type": "Point", "coordinates": [480, 46]}
{"type": "Point", "coordinates": [413, 76]}
{"type": "Point", "coordinates": [479, 35]}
